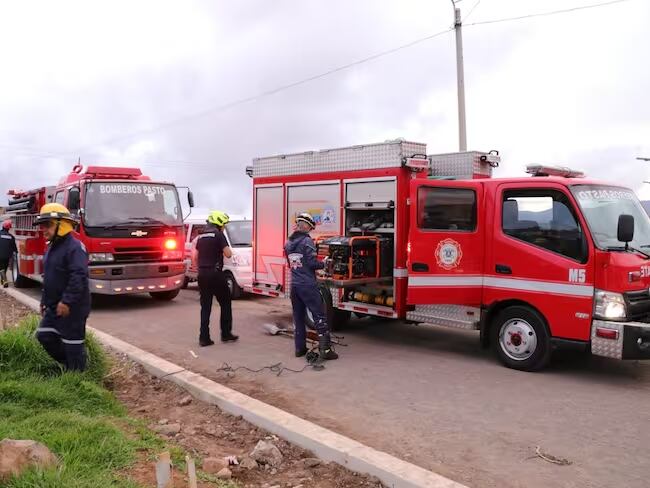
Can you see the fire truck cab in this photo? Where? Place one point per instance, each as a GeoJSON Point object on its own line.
{"type": "Point", "coordinates": [131, 227]}
{"type": "Point", "coordinates": [531, 263]}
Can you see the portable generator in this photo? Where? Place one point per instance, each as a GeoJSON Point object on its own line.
{"type": "Point", "coordinates": [357, 257]}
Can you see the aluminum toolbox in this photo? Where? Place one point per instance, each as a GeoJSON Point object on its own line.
{"type": "Point", "coordinates": [388, 154]}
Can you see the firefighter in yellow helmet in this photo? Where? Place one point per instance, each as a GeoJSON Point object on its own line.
{"type": "Point", "coordinates": [65, 303]}
{"type": "Point", "coordinates": [211, 247]}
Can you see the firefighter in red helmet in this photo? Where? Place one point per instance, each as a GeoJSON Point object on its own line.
{"type": "Point", "coordinates": [7, 251]}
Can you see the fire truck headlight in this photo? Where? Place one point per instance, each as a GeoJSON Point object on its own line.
{"type": "Point", "coordinates": [101, 257]}
{"type": "Point", "coordinates": [609, 305]}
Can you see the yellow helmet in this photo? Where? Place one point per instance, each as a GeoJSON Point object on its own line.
{"type": "Point", "coordinates": [56, 211]}
{"type": "Point", "coordinates": [218, 218]}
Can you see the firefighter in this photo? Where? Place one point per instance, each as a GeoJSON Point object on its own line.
{"type": "Point", "coordinates": [211, 248]}
{"type": "Point", "coordinates": [7, 251]}
{"type": "Point", "coordinates": [65, 304]}
{"type": "Point", "coordinates": [301, 256]}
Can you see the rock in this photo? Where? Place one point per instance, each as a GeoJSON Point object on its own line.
{"type": "Point", "coordinates": [266, 453]}
{"type": "Point", "coordinates": [248, 463]}
{"type": "Point", "coordinates": [143, 409]}
{"type": "Point", "coordinates": [311, 462]}
{"type": "Point", "coordinates": [214, 465]}
{"type": "Point", "coordinates": [224, 474]}
{"type": "Point", "coordinates": [17, 456]}
{"type": "Point", "coordinates": [185, 401]}
{"type": "Point", "coordinates": [163, 421]}
{"type": "Point", "coordinates": [168, 429]}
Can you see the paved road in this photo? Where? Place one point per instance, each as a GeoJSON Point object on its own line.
{"type": "Point", "coordinates": [430, 396]}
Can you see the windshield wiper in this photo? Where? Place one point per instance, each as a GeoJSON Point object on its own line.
{"type": "Point", "coordinates": [622, 248]}
{"type": "Point", "coordinates": [146, 220]}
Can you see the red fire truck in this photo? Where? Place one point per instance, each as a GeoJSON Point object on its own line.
{"type": "Point", "coordinates": [131, 226]}
{"type": "Point", "coordinates": [531, 263]}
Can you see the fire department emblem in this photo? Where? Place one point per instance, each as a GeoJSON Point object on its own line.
{"type": "Point", "coordinates": [448, 254]}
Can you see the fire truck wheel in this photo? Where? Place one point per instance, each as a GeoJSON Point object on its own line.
{"type": "Point", "coordinates": [235, 289]}
{"type": "Point", "coordinates": [164, 296]}
{"type": "Point", "coordinates": [520, 339]}
{"type": "Point", "coordinates": [19, 280]}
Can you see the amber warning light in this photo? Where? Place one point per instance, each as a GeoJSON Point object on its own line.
{"type": "Point", "coordinates": [170, 244]}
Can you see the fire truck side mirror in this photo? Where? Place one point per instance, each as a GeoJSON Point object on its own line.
{"type": "Point", "coordinates": [190, 198]}
{"type": "Point", "coordinates": [625, 228]}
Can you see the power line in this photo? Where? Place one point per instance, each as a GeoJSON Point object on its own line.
{"type": "Point", "coordinates": [273, 91]}
{"type": "Point", "coordinates": [545, 14]}
{"type": "Point", "coordinates": [471, 11]}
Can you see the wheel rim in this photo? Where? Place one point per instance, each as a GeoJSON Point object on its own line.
{"type": "Point", "coordinates": [518, 339]}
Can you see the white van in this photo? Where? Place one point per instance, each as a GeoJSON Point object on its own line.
{"type": "Point", "coordinates": [238, 269]}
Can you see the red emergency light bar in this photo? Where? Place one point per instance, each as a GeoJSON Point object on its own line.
{"type": "Point", "coordinates": [112, 172]}
{"type": "Point", "coordinates": [541, 170]}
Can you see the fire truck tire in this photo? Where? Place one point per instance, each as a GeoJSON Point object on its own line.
{"type": "Point", "coordinates": [164, 296]}
{"type": "Point", "coordinates": [520, 338]}
{"type": "Point", "coordinates": [235, 289]}
{"type": "Point", "coordinates": [19, 280]}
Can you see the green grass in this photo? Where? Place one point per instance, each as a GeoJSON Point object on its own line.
{"type": "Point", "coordinates": [71, 413]}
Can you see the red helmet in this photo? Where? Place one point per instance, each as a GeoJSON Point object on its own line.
{"type": "Point", "coordinates": [6, 225]}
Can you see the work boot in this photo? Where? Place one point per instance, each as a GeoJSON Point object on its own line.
{"type": "Point", "coordinates": [325, 350]}
{"type": "Point", "coordinates": [229, 337]}
{"type": "Point", "coordinates": [301, 352]}
{"type": "Point", "coordinates": [205, 342]}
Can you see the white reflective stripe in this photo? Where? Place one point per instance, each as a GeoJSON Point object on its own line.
{"type": "Point", "coordinates": [68, 341]}
{"type": "Point", "coordinates": [5, 237]}
{"type": "Point", "coordinates": [48, 329]}
{"type": "Point", "coordinates": [208, 234]}
{"type": "Point", "coordinates": [539, 286]}
{"type": "Point", "coordinates": [400, 272]}
{"type": "Point", "coordinates": [446, 280]}
{"type": "Point", "coordinates": [504, 283]}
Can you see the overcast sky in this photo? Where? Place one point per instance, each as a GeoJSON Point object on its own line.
{"type": "Point", "coordinates": [91, 79]}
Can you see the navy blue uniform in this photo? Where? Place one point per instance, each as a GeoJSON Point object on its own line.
{"type": "Point", "coordinates": [66, 281]}
{"type": "Point", "coordinates": [212, 281]}
{"type": "Point", "coordinates": [300, 251]}
{"type": "Point", "coordinates": [7, 250]}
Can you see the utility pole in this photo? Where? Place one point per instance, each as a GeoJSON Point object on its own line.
{"type": "Point", "coordinates": [460, 79]}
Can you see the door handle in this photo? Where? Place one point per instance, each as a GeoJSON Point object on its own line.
{"type": "Point", "coordinates": [420, 267]}
{"type": "Point", "coordinates": [503, 269]}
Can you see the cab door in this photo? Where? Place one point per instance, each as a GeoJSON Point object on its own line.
{"type": "Point", "coordinates": [540, 255]}
{"type": "Point", "coordinates": [446, 243]}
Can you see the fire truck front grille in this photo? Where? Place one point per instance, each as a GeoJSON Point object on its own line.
{"type": "Point", "coordinates": [638, 305]}
{"type": "Point", "coordinates": [137, 254]}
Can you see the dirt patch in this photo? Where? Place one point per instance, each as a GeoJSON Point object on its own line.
{"type": "Point", "coordinates": [204, 431]}
{"type": "Point", "coordinates": [11, 311]}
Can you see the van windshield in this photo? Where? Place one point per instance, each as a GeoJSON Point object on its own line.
{"type": "Point", "coordinates": [601, 206]}
{"type": "Point", "coordinates": [129, 203]}
{"type": "Point", "coordinates": [240, 233]}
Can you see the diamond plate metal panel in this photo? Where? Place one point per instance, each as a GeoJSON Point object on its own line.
{"type": "Point", "coordinates": [609, 348]}
{"type": "Point", "coordinates": [461, 165]}
{"type": "Point", "coordinates": [335, 296]}
{"type": "Point", "coordinates": [455, 316]}
{"type": "Point", "coordinates": [383, 155]}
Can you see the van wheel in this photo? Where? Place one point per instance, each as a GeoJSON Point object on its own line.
{"type": "Point", "coordinates": [164, 296]}
{"type": "Point", "coordinates": [235, 289]}
{"type": "Point", "coordinates": [19, 280]}
{"type": "Point", "coordinates": [520, 339]}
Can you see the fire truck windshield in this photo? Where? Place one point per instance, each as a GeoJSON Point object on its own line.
{"type": "Point", "coordinates": [601, 207]}
{"type": "Point", "coordinates": [126, 203]}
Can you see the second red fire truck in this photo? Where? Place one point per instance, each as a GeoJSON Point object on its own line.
{"type": "Point", "coordinates": [531, 263]}
{"type": "Point", "coordinates": [131, 226]}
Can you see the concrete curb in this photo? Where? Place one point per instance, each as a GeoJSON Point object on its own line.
{"type": "Point", "coordinates": [327, 445]}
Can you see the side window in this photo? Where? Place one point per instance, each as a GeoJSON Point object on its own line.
{"type": "Point", "coordinates": [59, 197]}
{"type": "Point", "coordinates": [544, 218]}
{"type": "Point", "coordinates": [74, 200]}
{"type": "Point", "coordinates": [446, 209]}
{"type": "Point", "coordinates": [196, 230]}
